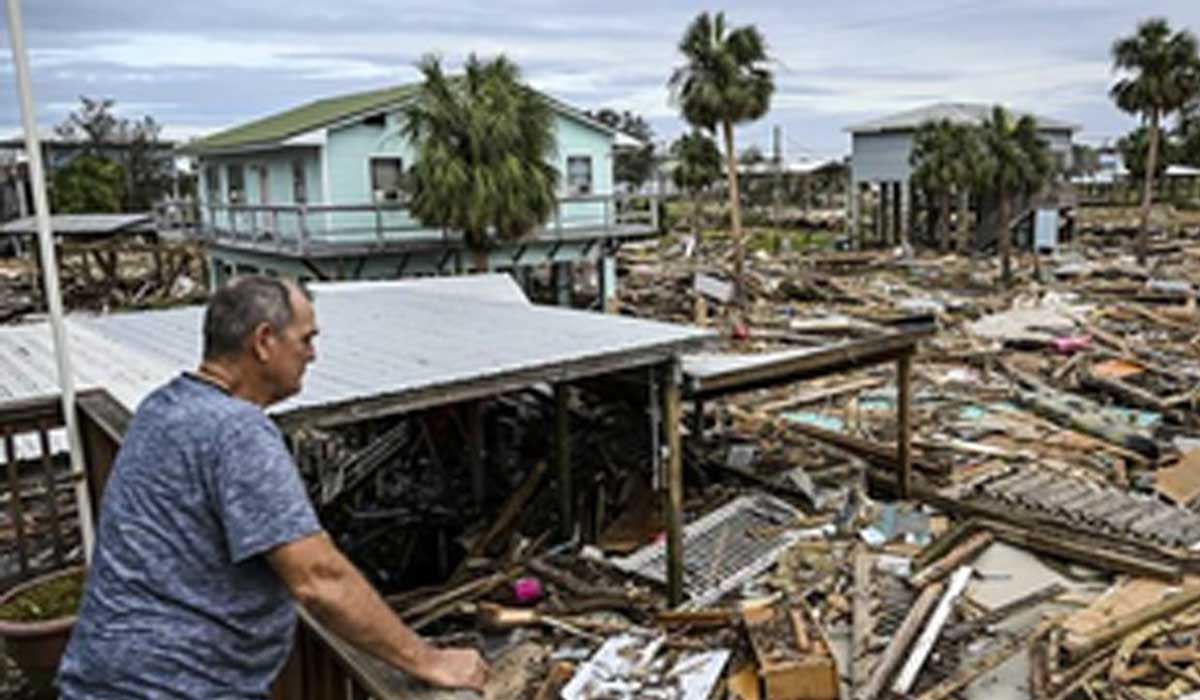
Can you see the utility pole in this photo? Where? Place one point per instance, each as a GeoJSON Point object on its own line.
{"type": "Point", "coordinates": [37, 180]}
{"type": "Point", "coordinates": [777, 159]}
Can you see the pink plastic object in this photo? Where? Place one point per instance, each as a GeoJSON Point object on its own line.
{"type": "Point", "coordinates": [527, 589]}
{"type": "Point", "coordinates": [1069, 345]}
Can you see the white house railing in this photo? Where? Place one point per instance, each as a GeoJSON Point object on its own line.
{"type": "Point", "coordinates": [304, 227]}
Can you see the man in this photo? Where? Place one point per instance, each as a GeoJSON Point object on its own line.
{"type": "Point", "coordinates": [206, 529]}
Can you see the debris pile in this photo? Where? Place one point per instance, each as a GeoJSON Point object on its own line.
{"type": "Point", "coordinates": [1048, 547]}
{"type": "Point", "coordinates": [107, 275]}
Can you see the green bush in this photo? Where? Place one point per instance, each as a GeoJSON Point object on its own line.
{"type": "Point", "coordinates": [88, 185]}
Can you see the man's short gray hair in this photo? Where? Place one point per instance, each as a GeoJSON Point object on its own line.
{"type": "Point", "coordinates": [239, 307]}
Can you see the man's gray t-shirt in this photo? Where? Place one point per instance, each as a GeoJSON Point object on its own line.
{"type": "Point", "coordinates": [180, 601]}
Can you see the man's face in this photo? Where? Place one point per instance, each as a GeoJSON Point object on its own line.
{"type": "Point", "coordinates": [289, 352]}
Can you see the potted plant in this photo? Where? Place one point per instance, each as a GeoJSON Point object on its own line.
{"type": "Point", "coordinates": [35, 622]}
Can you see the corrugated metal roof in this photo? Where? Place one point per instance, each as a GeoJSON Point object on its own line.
{"type": "Point", "coordinates": [27, 370]}
{"type": "Point", "coordinates": [378, 339]}
{"type": "Point", "coordinates": [955, 112]}
{"type": "Point", "coordinates": [77, 224]}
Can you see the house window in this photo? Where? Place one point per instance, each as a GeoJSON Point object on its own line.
{"type": "Point", "coordinates": [387, 179]}
{"type": "Point", "coordinates": [236, 188]}
{"type": "Point", "coordinates": [212, 184]}
{"type": "Point", "coordinates": [579, 175]}
{"type": "Point", "coordinates": [299, 186]}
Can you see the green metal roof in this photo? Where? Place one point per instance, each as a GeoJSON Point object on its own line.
{"type": "Point", "coordinates": [271, 130]}
{"type": "Point", "coordinates": [314, 115]}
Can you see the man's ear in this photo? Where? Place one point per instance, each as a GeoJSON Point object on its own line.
{"type": "Point", "coordinates": [260, 341]}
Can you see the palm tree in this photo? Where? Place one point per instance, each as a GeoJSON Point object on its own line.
{"type": "Point", "coordinates": [724, 82]}
{"type": "Point", "coordinates": [1188, 133]}
{"type": "Point", "coordinates": [1164, 75]}
{"type": "Point", "coordinates": [1015, 162]}
{"type": "Point", "coordinates": [484, 146]}
{"type": "Point", "coordinates": [697, 166]}
{"type": "Point", "coordinates": [942, 158]}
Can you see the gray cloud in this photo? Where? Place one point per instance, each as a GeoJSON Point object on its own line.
{"type": "Point", "coordinates": [214, 63]}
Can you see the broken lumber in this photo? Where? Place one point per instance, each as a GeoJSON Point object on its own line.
{"type": "Point", "coordinates": [989, 661]}
{"type": "Point", "coordinates": [924, 645]}
{"type": "Point", "coordinates": [510, 513]}
{"type": "Point", "coordinates": [1114, 629]}
{"type": "Point", "coordinates": [961, 554]}
{"type": "Point", "coordinates": [900, 642]}
{"type": "Point", "coordinates": [794, 658]}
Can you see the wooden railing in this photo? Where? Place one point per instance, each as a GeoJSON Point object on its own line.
{"type": "Point", "coordinates": [301, 227]}
{"type": "Point", "coordinates": [39, 526]}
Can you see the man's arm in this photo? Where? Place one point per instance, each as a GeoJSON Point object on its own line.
{"type": "Point", "coordinates": [332, 590]}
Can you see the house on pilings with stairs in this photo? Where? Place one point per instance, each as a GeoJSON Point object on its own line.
{"type": "Point", "coordinates": [886, 209]}
{"type": "Point", "coordinates": [318, 193]}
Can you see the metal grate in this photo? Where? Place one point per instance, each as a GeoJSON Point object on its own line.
{"type": "Point", "coordinates": [723, 549]}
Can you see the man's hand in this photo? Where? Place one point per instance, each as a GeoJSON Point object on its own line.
{"type": "Point", "coordinates": [455, 668]}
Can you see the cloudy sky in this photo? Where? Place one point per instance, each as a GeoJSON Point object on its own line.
{"type": "Point", "coordinates": [197, 66]}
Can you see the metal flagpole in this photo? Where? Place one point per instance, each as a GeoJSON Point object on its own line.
{"type": "Point", "coordinates": [66, 380]}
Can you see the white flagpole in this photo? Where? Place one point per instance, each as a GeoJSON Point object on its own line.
{"type": "Point", "coordinates": [66, 380]}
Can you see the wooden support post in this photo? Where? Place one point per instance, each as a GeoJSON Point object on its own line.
{"type": "Point", "coordinates": [562, 461]}
{"type": "Point", "coordinates": [697, 431]}
{"type": "Point", "coordinates": [897, 201]}
{"type": "Point", "coordinates": [904, 418]}
{"type": "Point", "coordinates": [474, 429]}
{"type": "Point", "coordinates": [674, 492]}
{"type": "Point", "coordinates": [854, 193]}
{"type": "Point", "coordinates": [880, 223]}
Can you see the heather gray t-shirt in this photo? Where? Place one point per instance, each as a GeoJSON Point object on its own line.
{"type": "Point", "coordinates": [180, 601]}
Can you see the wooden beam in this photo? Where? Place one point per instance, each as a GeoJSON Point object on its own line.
{"type": "Point", "coordinates": [964, 552]}
{"type": "Point", "coordinates": [933, 629]}
{"type": "Point", "coordinates": [672, 413]}
{"type": "Point", "coordinates": [900, 642]}
{"type": "Point", "coordinates": [904, 437]}
{"type": "Point", "coordinates": [473, 416]}
{"type": "Point", "coordinates": [562, 461]}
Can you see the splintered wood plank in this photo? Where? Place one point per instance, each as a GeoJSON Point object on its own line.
{"type": "Point", "coordinates": [900, 643]}
{"type": "Point", "coordinates": [937, 620]}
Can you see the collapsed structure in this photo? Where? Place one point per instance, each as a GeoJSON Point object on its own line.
{"type": "Point", "coordinates": [707, 501]}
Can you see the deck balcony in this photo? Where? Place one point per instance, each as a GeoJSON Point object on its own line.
{"type": "Point", "coordinates": [318, 230]}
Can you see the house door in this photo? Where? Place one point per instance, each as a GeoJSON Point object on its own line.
{"type": "Point", "coordinates": [264, 197]}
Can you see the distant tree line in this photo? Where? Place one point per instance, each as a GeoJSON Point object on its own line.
{"type": "Point", "coordinates": [119, 167]}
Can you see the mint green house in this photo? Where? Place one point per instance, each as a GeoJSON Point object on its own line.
{"type": "Point", "coordinates": [318, 192]}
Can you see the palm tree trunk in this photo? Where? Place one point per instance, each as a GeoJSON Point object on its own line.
{"type": "Point", "coordinates": [944, 220]}
{"type": "Point", "coordinates": [1005, 241]}
{"type": "Point", "coordinates": [696, 216]}
{"type": "Point", "coordinates": [964, 226]}
{"type": "Point", "coordinates": [735, 213]}
{"type": "Point", "coordinates": [1143, 242]}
